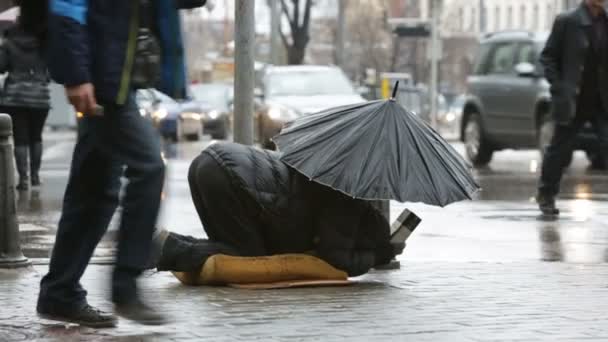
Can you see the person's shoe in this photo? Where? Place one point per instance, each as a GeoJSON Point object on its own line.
{"type": "Point", "coordinates": [546, 204]}
{"type": "Point", "coordinates": [86, 316]}
{"type": "Point", "coordinates": [136, 310]}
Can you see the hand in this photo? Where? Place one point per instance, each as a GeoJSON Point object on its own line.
{"type": "Point", "coordinates": [82, 97]}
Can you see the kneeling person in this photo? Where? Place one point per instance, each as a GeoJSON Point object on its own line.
{"type": "Point", "coordinates": [252, 204]}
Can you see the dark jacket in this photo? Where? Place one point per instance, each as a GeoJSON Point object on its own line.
{"type": "Point", "coordinates": [22, 56]}
{"type": "Point", "coordinates": [299, 215]}
{"type": "Point", "coordinates": [94, 41]}
{"type": "Point", "coordinates": [563, 59]}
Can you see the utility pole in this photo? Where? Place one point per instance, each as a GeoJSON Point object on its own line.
{"type": "Point", "coordinates": [435, 10]}
{"type": "Point", "coordinates": [244, 71]}
{"type": "Point", "coordinates": [482, 17]}
{"type": "Point", "coordinates": [340, 32]}
{"type": "Point", "coordinates": [275, 22]}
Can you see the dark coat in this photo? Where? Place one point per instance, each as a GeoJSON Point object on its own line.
{"type": "Point", "coordinates": [93, 41]}
{"type": "Point", "coordinates": [300, 216]}
{"type": "Point", "coordinates": [563, 59]}
{"type": "Point", "coordinates": [26, 85]}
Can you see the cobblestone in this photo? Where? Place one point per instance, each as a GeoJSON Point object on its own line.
{"type": "Point", "coordinates": [424, 301]}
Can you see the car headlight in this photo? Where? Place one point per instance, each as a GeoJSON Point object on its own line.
{"type": "Point", "coordinates": [279, 113]}
{"type": "Point", "coordinates": [160, 114]}
{"type": "Point", "coordinates": [450, 117]}
{"type": "Point", "coordinates": [214, 114]}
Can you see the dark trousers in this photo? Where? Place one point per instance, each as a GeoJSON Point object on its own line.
{"type": "Point", "coordinates": [562, 146]}
{"type": "Point", "coordinates": [27, 124]}
{"type": "Point", "coordinates": [229, 216]}
{"type": "Point", "coordinates": [119, 139]}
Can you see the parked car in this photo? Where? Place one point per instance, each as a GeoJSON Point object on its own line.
{"type": "Point", "coordinates": [217, 98]}
{"type": "Point", "coordinates": [288, 92]}
{"type": "Point", "coordinates": [508, 101]}
{"type": "Point", "coordinates": [174, 120]}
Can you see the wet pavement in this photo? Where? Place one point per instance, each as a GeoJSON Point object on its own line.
{"type": "Point", "coordinates": [487, 270]}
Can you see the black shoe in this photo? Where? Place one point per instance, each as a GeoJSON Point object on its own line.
{"type": "Point", "coordinates": [86, 316]}
{"type": "Point", "coordinates": [136, 310]}
{"type": "Point", "coordinates": [546, 204]}
{"type": "Point", "coordinates": [23, 184]}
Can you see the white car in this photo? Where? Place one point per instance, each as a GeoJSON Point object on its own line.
{"type": "Point", "coordinates": [288, 92]}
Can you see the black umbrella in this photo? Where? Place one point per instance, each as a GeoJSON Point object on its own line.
{"type": "Point", "coordinates": [377, 151]}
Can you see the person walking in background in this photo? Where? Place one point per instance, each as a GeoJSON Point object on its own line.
{"type": "Point", "coordinates": [576, 66]}
{"type": "Point", "coordinates": [102, 50]}
{"type": "Point", "coordinates": [26, 95]}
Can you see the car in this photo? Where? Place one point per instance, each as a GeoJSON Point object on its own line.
{"type": "Point", "coordinates": [174, 120]}
{"type": "Point", "coordinates": [286, 93]}
{"type": "Point", "coordinates": [217, 98]}
{"type": "Point", "coordinates": [508, 104]}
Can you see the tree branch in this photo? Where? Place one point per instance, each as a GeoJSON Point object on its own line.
{"type": "Point", "coordinates": [296, 13]}
{"type": "Point", "coordinates": [306, 22]}
{"type": "Point", "coordinates": [292, 25]}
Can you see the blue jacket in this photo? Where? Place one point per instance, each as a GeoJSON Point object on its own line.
{"type": "Point", "coordinates": [94, 41]}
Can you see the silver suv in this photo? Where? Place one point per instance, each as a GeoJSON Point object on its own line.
{"type": "Point", "coordinates": [508, 102]}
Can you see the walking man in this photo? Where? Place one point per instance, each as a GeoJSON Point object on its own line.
{"type": "Point", "coordinates": [94, 48]}
{"type": "Point", "coordinates": [576, 66]}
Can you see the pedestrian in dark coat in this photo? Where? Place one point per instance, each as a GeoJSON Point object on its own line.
{"type": "Point", "coordinates": [25, 95]}
{"type": "Point", "coordinates": [101, 50]}
{"type": "Point", "coordinates": [575, 61]}
{"type": "Point", "coordinates": [252, 204]}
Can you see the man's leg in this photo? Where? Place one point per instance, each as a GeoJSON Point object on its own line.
{"type": "Point", "coordinates": [554, 162]}
{"type": "Point", "coordinates": [90, 200]}
{"type": "Point", "coordinates": [132, 141]}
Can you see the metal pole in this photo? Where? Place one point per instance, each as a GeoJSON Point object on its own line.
{"type": "Point", "coordinates": [244, 71]}
{"type": "Point", "coordinates": [275, 22]}
{"type": "Point", "coordinates": [341, 30]}
{"type": "Point", "coordinates": [10, 247]}
{"type": "Point", "coordinates": [434, 61]}
{"type": "Point", "coordinates": [482, 17]}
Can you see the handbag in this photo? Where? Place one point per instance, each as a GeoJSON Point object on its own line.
{"type": "Point", "coordinates": [146, 62]}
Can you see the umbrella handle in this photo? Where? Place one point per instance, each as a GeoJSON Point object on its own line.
{"type": "Point", "coordinates": [395, 91]}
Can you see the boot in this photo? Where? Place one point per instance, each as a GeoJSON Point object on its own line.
{"type": "Point", "coordinates": [35, 161]}
{"type": "Point", "coordinates": [22, 166]}
{"type": "Point", "coordinates": [546, 204]}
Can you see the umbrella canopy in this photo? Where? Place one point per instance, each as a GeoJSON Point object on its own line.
{"type": "Point", "coordinates": [377, 151]}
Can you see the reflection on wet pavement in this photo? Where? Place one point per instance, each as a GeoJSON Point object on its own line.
{"type": "Point", "coordinates": [503, 224]}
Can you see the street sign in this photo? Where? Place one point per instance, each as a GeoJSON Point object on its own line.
{"type": "Point", "coordinates": [410, 27]}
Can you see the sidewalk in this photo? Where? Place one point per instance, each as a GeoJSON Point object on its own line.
{"type": "Point", "coordinates": [438, 301]}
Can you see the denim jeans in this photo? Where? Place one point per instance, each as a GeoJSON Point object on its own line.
{"type": "Point", "coordinates": [120, 140]}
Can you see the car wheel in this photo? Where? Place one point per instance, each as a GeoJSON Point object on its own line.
{"type": "Point", "coordinates": [478, 149]}
{"type": "Point", "coordinates": [222, 132]}
{"type": "Point", "coordinates": [596, 160]}
{"type": "Point", "coordinates": [545, 134]}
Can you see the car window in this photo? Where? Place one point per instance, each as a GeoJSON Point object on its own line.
{"type": "Point", "coordinates": [217, 95]}
{"type": "Point", "coordinates": [502, 60]}
{"type": "Point", "coordinates": [526, 54]}
{"type": "Point", "coordinates": [308, 83]}
{"type": "Point", "coordinates": [481, 59]}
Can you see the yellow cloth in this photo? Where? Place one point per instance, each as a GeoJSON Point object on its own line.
{"type": "Point", "coordinates": [222, 269]}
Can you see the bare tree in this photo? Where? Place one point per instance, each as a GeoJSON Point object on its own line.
{"type": "Point", "coordinates": [299, 26]}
